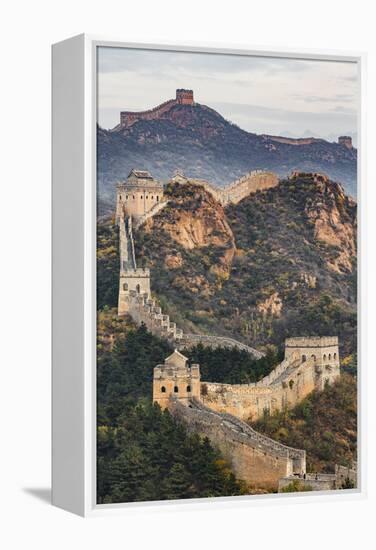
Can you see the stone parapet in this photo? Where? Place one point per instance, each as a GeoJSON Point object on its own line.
{"type": "Point", "coordinates": [237, 190]}
{"type": "Point", "coordinates": [190, 340]}
{"type": "Point", "coordinates": [311, 341]}
{"type": "Point", "coordinates": [256, 459]}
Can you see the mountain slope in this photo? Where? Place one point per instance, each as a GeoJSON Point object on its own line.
{"type": "Point", "coordinates": [199, 141]}
{"type": "Point", "coordinates": [280, 262]}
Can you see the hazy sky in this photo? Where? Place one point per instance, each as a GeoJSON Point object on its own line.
{"type": "Point", "coordinates": [262, 95]}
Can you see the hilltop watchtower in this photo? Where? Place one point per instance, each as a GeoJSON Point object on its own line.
{"type": "Point", "coordinates": [138, 194]}
{"type": "Point", "coordinates": [184, 97]}
{"type": "Point", "coordinates": [346, 141]}
{"type": "Point", "coordinates": [175, 379]}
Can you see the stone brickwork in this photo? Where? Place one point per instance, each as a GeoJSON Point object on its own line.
{"type": "Point", "coordinates": [309, 482]}
{"type": "Point", "coordinates": [137, 195]}
{"type": "Point", "coordinates": [237, 190]}
{"type": "Point", "coordinates": [322, 351]}
{"type": "Point", "coordinates": [309, 364]}
{"type": "Point", "coordinates": [345, 474]}
{"type": "Point", "coordinates": [190, 340]}
{"type": "Point", "coordinates": [343, 478]}
{"type": "Point", "coordinates": [183, 97]}
{"type": "Point", "coordinates": [175, 379]}
{"type": "Point", "coordinates": [254, 458]}
{"type": "Point", "coordinates": [135, 295]}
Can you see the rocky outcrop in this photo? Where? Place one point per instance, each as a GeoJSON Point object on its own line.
{"type": "Point", "coordinates": [332, 215]}
{"type": "Point", "coordinates": [195, 219]}
{"type": "Point", "coordinates": [271, 306]}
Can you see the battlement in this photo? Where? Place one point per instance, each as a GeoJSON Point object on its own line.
{"type": "Point", "coordinates": [175, 379]}
{"type": "Point", "coordinates": [183, 97]}
{"type": "Point", "coordinates": [238, 189]}
{"type": "Point", "coordinates": [136, 272]}
{"type": "Point", "coordinates": [138, 195]}
{"type": "Point", "coordinates": [346, 141]}
{"type": "Point", "coordinates": [318, 177]}
{"type": "Point", "coordinates": [190, 340]}
{"type": "Point", "coordinates": [311, 341]}
{"type": "Point", "coordinates": [255, 458]}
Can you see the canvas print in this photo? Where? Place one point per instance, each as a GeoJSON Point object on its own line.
{"type": "Point", "coordinates": [226, 275]}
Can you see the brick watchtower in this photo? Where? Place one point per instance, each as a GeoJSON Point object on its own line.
{"type": "Point", "coordinates": [138, 194]}
{"type": "Point", "coordinates": [184, 97]}
{"type": "Point", "coordinates": [346, 141]}
{"type": "Point", "coordinates": [175, 379]}
{"type": "Point", "coordinates": [322, 350]}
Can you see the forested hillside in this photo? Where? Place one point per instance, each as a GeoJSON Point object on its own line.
{"type": "Point", "coordinates": [142, 452]}
{"type": "Point", "coordinates": [324, 424]}
{"type": "Point", "coordinates": [282, 262]}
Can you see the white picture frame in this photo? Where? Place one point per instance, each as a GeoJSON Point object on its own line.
{"type": "Point", "coordinates": [74, 280]}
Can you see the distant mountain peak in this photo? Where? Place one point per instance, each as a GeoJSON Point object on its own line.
{"type": "Point", "coordinates": [181, 133]}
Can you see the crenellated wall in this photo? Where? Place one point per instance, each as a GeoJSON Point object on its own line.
{"type": "Point", "coordinates": [183, 97]}
{"type": "Point", "coordinates": [309, 364]}
{"type": "Point", "coordinates": [254, 458]}
{"type": "Point", "coordinates": [237, 190]}
{"type": "Point", "coordinates": [286, 386]}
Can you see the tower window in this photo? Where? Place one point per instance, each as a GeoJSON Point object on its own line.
{"type": "Point", "coordinates": [126, 197]}
{"type": "Point", "coordinates": [329, 356]}
{"type": "Point", "coordinates": [188, 389]}
{"type": "Point", "coordinates": [125, 286]}
{"type": "Point", "coordinates": [146, 197]}
{"type": "Point", "coordinates": [313, 357]}
{"type": "Point", "coordinates": [176, 389]}
{"type": "Point", "coordinates": [304, 358]}
{"type": "Point", "coordinates": [163, 389]}
{"type": "Point", "coordinates": [324, 356]}
{"type": "Point", "coordinates": [334, 356]}
{"type": "Point", "coordinates": [157, 198]}
{"type": "Point", "coordinates": [152, 197]}
{"type": "Point", "coordinates": [133, 197]}
{"type": "Point", "coordinates": [138, 289]}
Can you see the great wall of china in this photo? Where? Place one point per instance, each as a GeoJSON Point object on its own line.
{"type": "Point", "coordinates": [238, 189]}
{"type": "Point", "coordinates": [215, 410]}
{"type": "Point", "coordinates": [127, 118]}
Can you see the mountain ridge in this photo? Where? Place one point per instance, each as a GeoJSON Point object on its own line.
{"type": "Point", "coordinates": [204, 145]}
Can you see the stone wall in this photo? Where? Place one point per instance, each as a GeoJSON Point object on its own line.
{"type": "Point", "coordinates": [144, 310]}
{"type": "Point", "coordinates": [286, 386]}
{"type": "Point", "coordinates": [191, 340]}
{"type": "Point", "coordinates": [324, 353]}
{"type": "Point", "coordinates": [254, 458]}
{"type": "Point", "coordinates": [310, 482]}
{"type": "Point", "coordinates": [137, 200]}
{"type": "Point", "coordinates": [175, 379]}
{"type": "Point", "coordinates": [152, 212]}
{"type": "Point", "coordinates": [237, 190]}
{"type": "Point", "coordinates": [183, 97]}
{"type": "Point", "coordinates": [344, 474]}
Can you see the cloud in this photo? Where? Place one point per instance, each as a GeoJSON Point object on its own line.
{"type": "Point", "coordinates": [260, 94]}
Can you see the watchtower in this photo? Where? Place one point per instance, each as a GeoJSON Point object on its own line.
{"type": "Point", "coordinates": [322, 351]}
{"type": "Point", "coordinates": [138, 194]}
{"type": "Point", "coordinates": [346, 141]}
{"type": "Point", "coordinates": [184, 97]}
{"type": "Point", "coordinates": [175, 379]}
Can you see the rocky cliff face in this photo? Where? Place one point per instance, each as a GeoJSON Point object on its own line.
{"type": "Point", "coordinates": [332, 214]}
{"type": "Point", "coordinates": [194, 219]}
